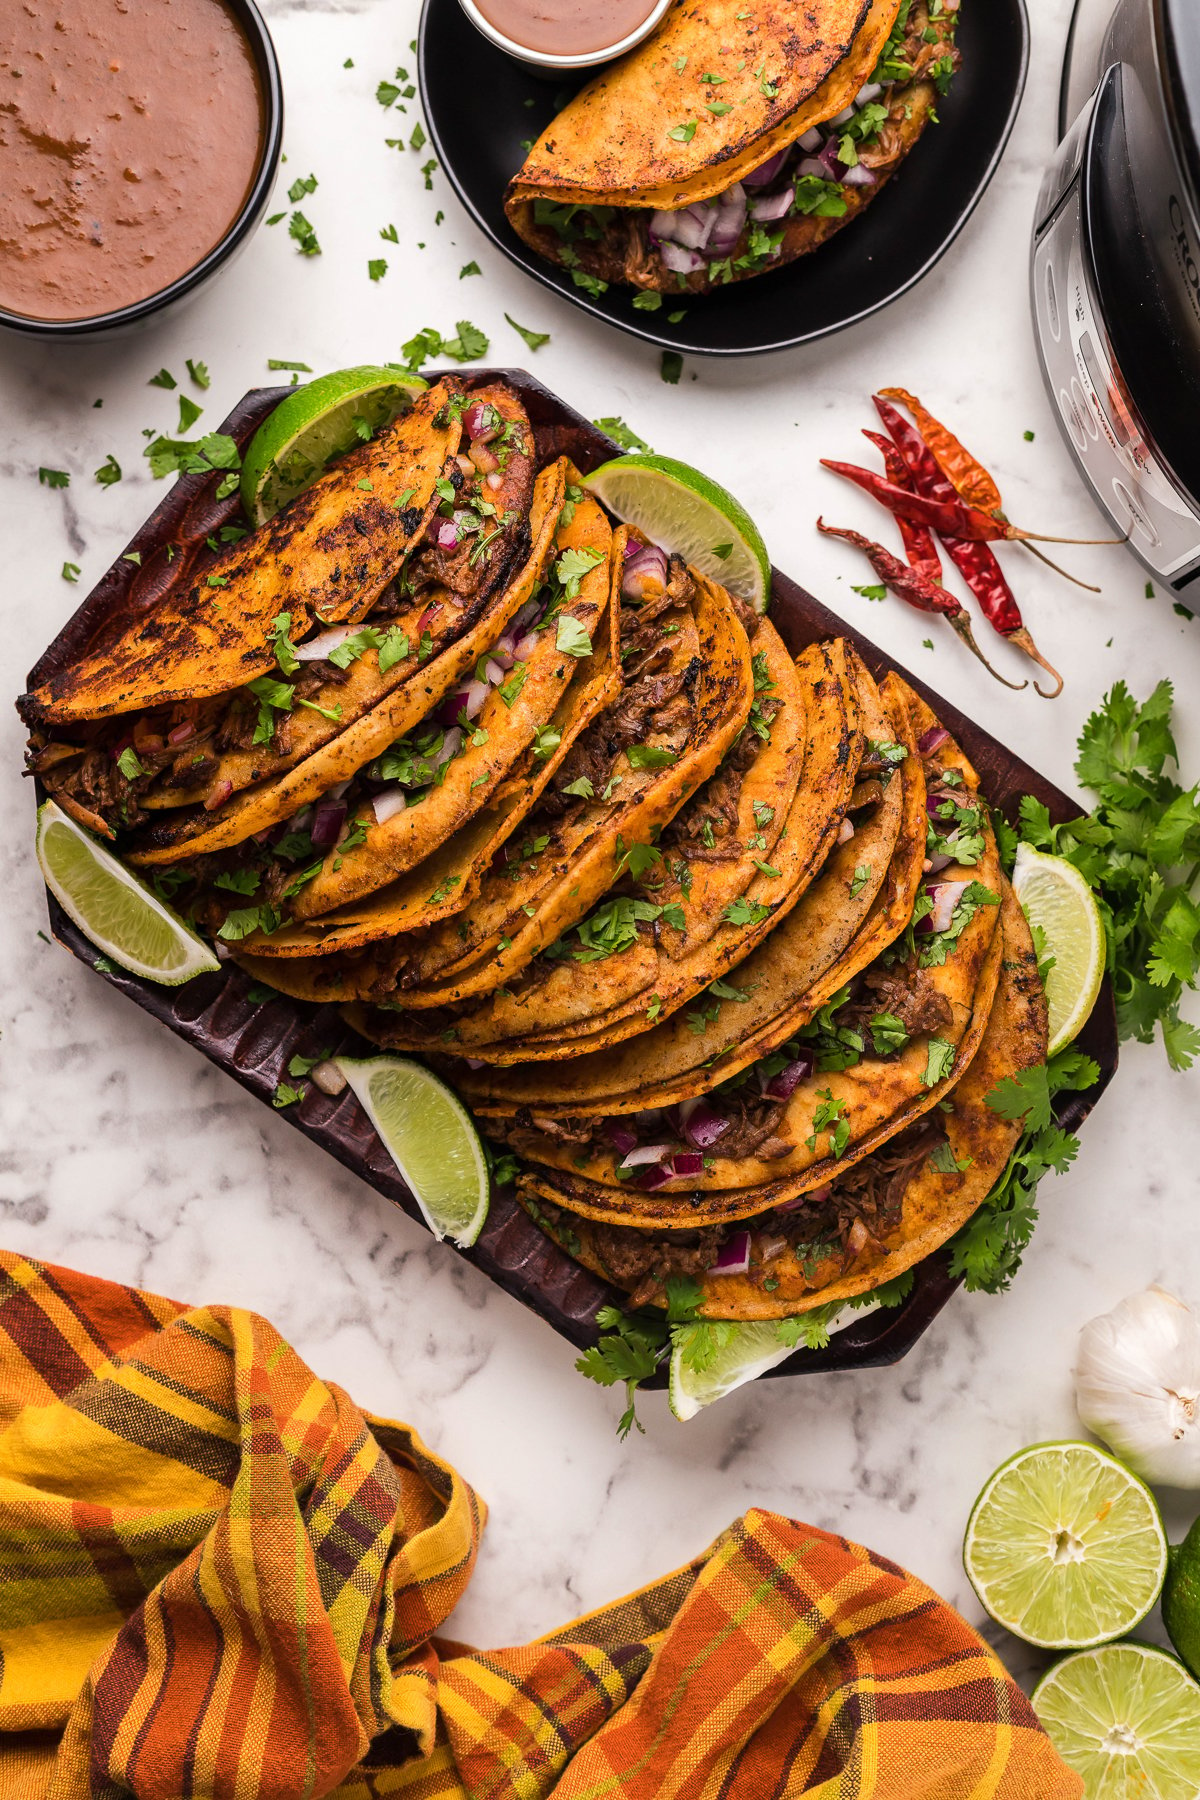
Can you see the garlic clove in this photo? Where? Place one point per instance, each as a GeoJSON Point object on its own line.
{"type": "Point", "coordinates": [1137, 1385]}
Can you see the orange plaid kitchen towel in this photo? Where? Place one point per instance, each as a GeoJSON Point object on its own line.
{"type": "Point", "coordinates": [219, 1578]}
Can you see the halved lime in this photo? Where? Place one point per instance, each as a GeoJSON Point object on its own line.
{"type": "Point", "coordinates": [121, 916]}
{"type": "Point", "coordinates": [680, 509]}
{"type": "Point", "coordinates": [1056, 897]}
{"type": "Point", "coordinates": [1127, 1718]}
{"type": "Point", "coordinates": [427, 1132]}
{"type": "Point", "coordinates": [743, 1353]}
{"type": "Point", "coordinates": [1065, 1547]}
{"type": "Point", "coordinates": [321, 420]}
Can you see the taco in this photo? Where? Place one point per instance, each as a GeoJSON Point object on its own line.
{"type": "Point", "coordinates": [448, 880]}
{"type": "Point", "coordinates": [730, 863]}
{"type": "Point", "coordinates": [195, 738]}
{"type": "Point", "coordinates": [872, 1221]}
{"type": "Point", "coordinates": [869, 876]}
{"type": "Point", "coordinates": [733, 140]}
{"type": "Point", "coordinates": [384, 819]}
{"type": "Point", "coordinates": [687, 692]}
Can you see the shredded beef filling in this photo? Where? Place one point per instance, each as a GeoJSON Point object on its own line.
{"type": "Point", "coordinates": [904, 990]}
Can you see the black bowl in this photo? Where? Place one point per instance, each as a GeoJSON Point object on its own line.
{"type": "Point", "coordinates": [481, 104]}
{"type": "Point", "coordinates": [124, 318]}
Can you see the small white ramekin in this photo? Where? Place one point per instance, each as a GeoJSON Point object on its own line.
{"type": "Point", "coordinates": [541, 59]}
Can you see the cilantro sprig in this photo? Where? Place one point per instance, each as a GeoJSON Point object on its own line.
{"type": "Point", "coordinates": [1139, 849]}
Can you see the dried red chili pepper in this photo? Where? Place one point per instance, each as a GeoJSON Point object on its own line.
{"type": "Point", "coordinates": [949, 518]}
{"type": "Point", "coordinates": [920, 546]}
{"type": "Point", "coordinates": [975, 561]}
{"type": "Point", "coordinates": [918, 590]}
{"type": "Point", "coordinates": [967, 475]}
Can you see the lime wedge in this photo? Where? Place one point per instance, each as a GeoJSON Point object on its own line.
{"type": "Point", "coordinates": [1126, 1717]}
{"type": "Point", "coordinates": [1056, 897]}
{"type": "Point", "coordinates": [682, 510]}
{"type": "Point", "coordinates": [321, 420]}
{"type": "Point", "coordinates": [743, 1353]}
{"type": "Point", "coordinates": [1065, 1547]}
{"type": "Point", "coordinates": [429, 1136]}
{"type": "Point", "coordinates": [123, 919]}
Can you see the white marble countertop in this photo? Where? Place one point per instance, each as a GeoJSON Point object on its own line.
{"type": "Point", "coordinates": [127, 1156]}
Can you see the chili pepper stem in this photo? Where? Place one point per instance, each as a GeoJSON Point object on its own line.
{"type": "Point", "coordinates": [1018, 536]}
{"type": "Point", "coordinates": [962, 625]}
{"type": "Point", "coordinates": [1023, 641]}
{"type": "Point", "coordinates": [1059, 570]}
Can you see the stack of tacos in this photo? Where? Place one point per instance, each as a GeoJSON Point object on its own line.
{"type": "Point", "coordinates": [734, 140]}
{"type": "Point", "coordinates": [712, 936]}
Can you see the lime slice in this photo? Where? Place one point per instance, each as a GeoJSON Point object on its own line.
{"type": "Point", "coordinates": [429, 1136]}
{"type": "Point", "coordinates": [1127, 1718]}
{"type": "Point", "coordinates": [1055, 896]}
{"type": "Point", "coordinates": [682, 510]}
{"type": "Point", "coordinates": [743, 1353]}
{"type": "Point", "coordinates": [1065, 1547]}
{"type": "Point", "coordinates": [321, 420]}
{"type": "Point", "coordinates": [123, 919]}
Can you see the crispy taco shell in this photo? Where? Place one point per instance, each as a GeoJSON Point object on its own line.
{"type": "Point", "coordinates": [325, 556]}
{"type": "Point", "coordinates": [936, 1197]}
{"type": "Point", "coordinates": [259, 808]}
{"type": "Point", "coordinates": [781, 984]}
{"type": "Point", "coordinates": [448, 880]}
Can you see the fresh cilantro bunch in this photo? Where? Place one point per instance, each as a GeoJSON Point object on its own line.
{"type": "Point", "coordinates": [1139, 849]}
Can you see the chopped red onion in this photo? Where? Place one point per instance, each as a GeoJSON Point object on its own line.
{"type": "Point", "coordinates": [845, 831]}
{"type": "Point", "coordinates": [812, 140]}
{"type": "Point", "coordinates": [865, 95]}
{"type": "Point", "coordinates": [813, 1198]}
{"type": "Point", "coordinates": [678, 260]}
{"type": "Point", "coordinates": [621, 1135]}
{"type": "Point", "coordinates": [703, 1125]}
{"type": "Point", "coordinates": [783, 1085]}
{"type": "Point", "coordinates": [446, 536]}
{"type": "Point", "coordinates": [531, 610]}
{"type": "Point", "coordinates": [831, 163]}
{"type": "Point", "coordinates": [858, 176]}
{"type": "Point", "coordinates": [335, 793]}
{"type": "Point", "coordinates": [731, 220]}
{"type": "Point", "coordinates": [466, 466]}
{"type": "Point", "coordinates": [429, 615]}
{"type": "Point", "coordinates": [385, 806]}
{"type": "Point", "coordinates": [494, 480]}
{"type": "Point", "coordinates": [690, 228]}
{"type": "Point", "coordinates": [316, 649]}
{"type": "Point", "coordinates": [813, 166]}
{"type": "Point", "coordinates": [653, 1178]}
{"type": "Point", "coordinates": [687, 1164]}
{"type": "Point", "coordinates": [474, 1062]}
{"type": "Point", "coordinates": [733, 1258]}
{"type": "Point", "coordinates": [932, 740]}
{"type": "Point", "coordinates": [632, 547]}
{"type": "Point", "coordinates": [772, 207]}
{"type": "Point", "coordinates": [217, 795]}
{"type": "Point", "coordinates": [468, 700]}
{"type": "Point", "coordinates": [494, 671]}
{"type": "Point", "coordinates": [451, 745]}
{"type": "Point", "coordinates": [483, 459]}
{"type": "Point", "coordinates": [935, 864]}
{"type": "Point", "coordinates": [772, 1247]}
{"type": "Point", "coordinates": [945, 897]}
{"type": "Point", "coordinates": [857, 1237]}
{"type": "Point", "coordinates": [482, 422]}
{"type": "Point", "coordinates": [646, 1153]}
{"type": "Point", "coordinates": [328, 819]}
{"type": "Point", "coordinates": [525, 649]}
{"type": "Point", "coordinates": [645, 574]}
{"type": "Point", "coordinates": [181, 733]}
{"type": "Point", "coordinates": [844, 117]}
{"type": "Point", "coordinates": [329, 1078]}
{"type": "Point", "coordinates": [765, 174]}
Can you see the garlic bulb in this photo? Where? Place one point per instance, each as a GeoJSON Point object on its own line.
{"type": "Point", "coordinates": [1137, 1385]}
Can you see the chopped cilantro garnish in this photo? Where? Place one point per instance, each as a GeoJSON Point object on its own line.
{"type": "Point", "coordinates": [651, 756]}
{"type": "Point", "coordinates": [671, 367]}
{"type": "Point", "coordinates": [109, 471]}
{"type": "Point", "coordinates": [535, 339]}
{"type": "Point", "coordinates": [621, 434]}
{"type": "Point", "coordinates": [939, 1061]}
{"type": "Point", "coordinates": [571, 637]}
{"type": "Point", "coordinates": [130, 763]}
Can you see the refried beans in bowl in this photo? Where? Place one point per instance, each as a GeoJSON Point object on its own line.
{"type": "Point", "coordinates": [138, 143]}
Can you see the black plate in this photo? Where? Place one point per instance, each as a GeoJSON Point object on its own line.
{"type": "Point", "coordinates": [476, 107]}
{"type": "Point", "coordinates": [253, 1038]}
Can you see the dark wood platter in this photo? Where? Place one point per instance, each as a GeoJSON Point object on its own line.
{"type": "Point", "coordinates": [253, 1039]}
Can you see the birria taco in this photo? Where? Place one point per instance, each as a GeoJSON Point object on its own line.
{"type": "Point", "coordinates": [687, 692]}
{"type": "Point", "coordinates": [872, 1220]}
{"type": "Point", "coordinates": [733, 140]}
{"type": "Point", "coordinates": [190, 728]}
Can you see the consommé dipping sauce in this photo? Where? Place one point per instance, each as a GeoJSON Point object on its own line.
{"type": "Point", "coordinates": [566, 27]}
{"type": "Point", "coordinates": [130, 135]}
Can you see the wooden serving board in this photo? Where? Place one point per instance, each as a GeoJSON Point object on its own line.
{"type": "Point", "coordinates": [253, 1040]}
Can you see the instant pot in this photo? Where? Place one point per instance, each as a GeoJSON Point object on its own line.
{"type": "Point", "coordinates": [1116, 272]}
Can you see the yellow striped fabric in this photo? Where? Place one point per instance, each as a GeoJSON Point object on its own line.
{"type": "Point", "coordinates": [219, 1580]}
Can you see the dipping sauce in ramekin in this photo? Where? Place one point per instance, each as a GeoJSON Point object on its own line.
{"type": "Point", "coordinates": [131, 133]}
{"type": "Point", "coordinates": [567, 35]}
